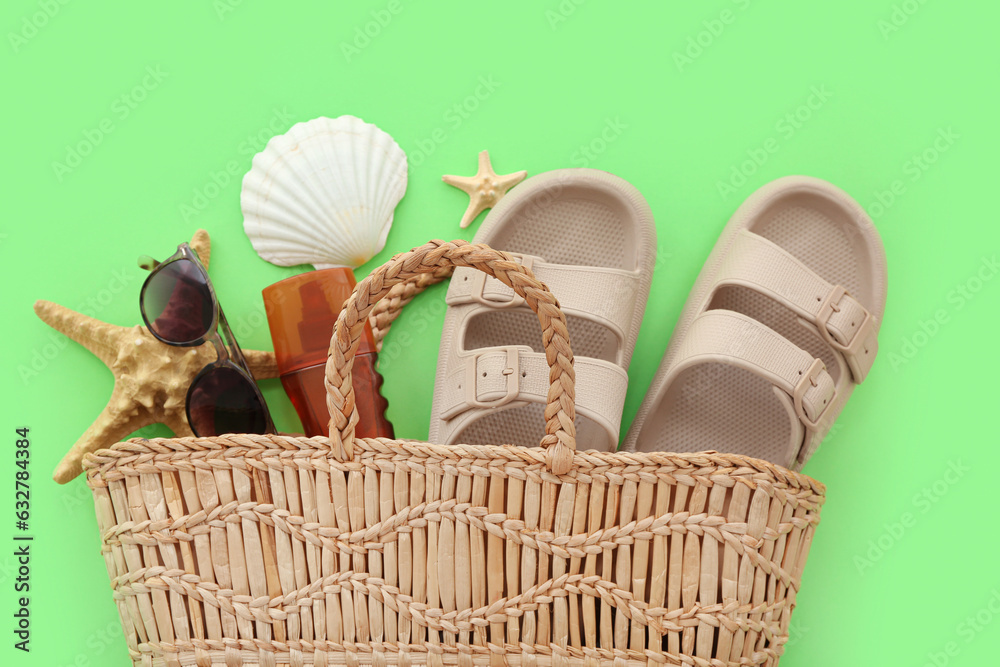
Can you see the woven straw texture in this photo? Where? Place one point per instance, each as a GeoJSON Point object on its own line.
{"type": "Point", "coordinates": [285, 552]}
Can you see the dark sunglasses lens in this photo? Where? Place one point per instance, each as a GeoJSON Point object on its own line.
{"type": "Point", "coordinates": [177, 303]}
{"type": "Point", "coordinates": [223, 400]}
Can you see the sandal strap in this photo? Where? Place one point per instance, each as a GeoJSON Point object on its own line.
{"type": "Point", "coordinates": [846, 325]}
{"type": "Point", "coordinates": [727, 337]}
{"type": "Point", "coordinates": [493, 377]}
{"type": "Point", "coordinates": [603, 295]}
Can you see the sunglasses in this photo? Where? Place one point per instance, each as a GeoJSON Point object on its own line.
{"type": "Point", "coordinates": [179, 307]}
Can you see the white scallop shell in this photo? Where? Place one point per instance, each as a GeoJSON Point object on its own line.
{"type": "Point", "coordinates": [323, 193]}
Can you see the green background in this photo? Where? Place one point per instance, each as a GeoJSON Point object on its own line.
{"type": "Point", "coordinates": [903, 568]}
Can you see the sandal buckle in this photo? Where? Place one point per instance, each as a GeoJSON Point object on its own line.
{"type": "Point", "coordinates": [511, 371]}
{"type": "Point", "coordinates": [809, 380]}
{"type": "Point", "coordinates": [478, 287]}
{"type": "Point", "coordinates": [853, 350]}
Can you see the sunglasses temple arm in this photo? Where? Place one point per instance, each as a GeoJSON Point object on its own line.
{"type": "Point", "coordinates": [233, 346]}
{"type": "Point", "coordinates": [220, 348]}
{"type": "Point", "coordinates": [239, 360]}
{"type": "Point", "coordinates": [183, 250]}
{"type": "Point", "coordinates": [148, 263]}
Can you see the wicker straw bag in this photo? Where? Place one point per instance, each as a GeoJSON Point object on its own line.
{"type": "Point", "coordinates": [283, 551]}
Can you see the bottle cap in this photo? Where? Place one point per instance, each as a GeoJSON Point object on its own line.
{"type": "Point", "coordinates": [301, 313]}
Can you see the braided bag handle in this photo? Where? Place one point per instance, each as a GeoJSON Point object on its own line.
{"type": "Point", "coordinates": [560, 431]}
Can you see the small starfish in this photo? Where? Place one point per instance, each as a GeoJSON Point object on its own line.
{"type": "Point", "coordinates": [151, 378]}
{"type": "Point", "coordinates": [485, 189]}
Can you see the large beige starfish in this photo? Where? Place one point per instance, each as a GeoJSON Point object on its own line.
{"type": "Point", "coordinates": [151, 378]}
{"type": "Point", "coordinates": [485, 189]}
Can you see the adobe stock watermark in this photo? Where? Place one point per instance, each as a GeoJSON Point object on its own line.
{"type": "Point", "coordinates": [609, 134]}
{"type": "Point", "coordinates": [971, 627]}
{"type": "Point", "coordinates": [711, 377]}
{"type": "Point", "coordinates": [419, 318]}
{"type": "Point", "coordinates": [796, 632]}
{"type": "Point", "coordinates": [785, 128]}
{"type": "Point", "coordinates": [8, 569]}
{"type": "Point", "coordinates": [562, 12]}
{"type": "Point", "coordinates": [225, 7]}
{"type": "Point", "coordinates": [923, 501]}
{"type": "Point", "coordinates": [365, 34]}
{"type": "Point", "coordinates": [662, 257]}
{"type": "Point", "coordinates": [454, 117]}
{"type": "Point", "coordinates": [957, 299]}
{"type": "Point", "coordinates": [901, 13]}
{"type": "Point", "coordinates": [914, 168]}
{"type": "Point", "coordinates": [232, 172]}
{"type": "Point", "coordinates": [249, 323]}
{"type": "Point", "coordinates": [77, 494]}
{"type": "Point", "coordinates": [32, 24]}
{"type": "Point", "coordinates": [712, 29]}
{"type": "Point", "coordinates": [121, 108]}
{"type": "Point", "coordinates": [55, 342]}
{"type": "Point", "coordinates": [98, 643]}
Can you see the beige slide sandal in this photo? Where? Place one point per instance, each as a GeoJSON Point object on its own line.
{"type": "Point", "coordinates": [780, 326]}
{"type": "Point", "coordinates": [589, 236]}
